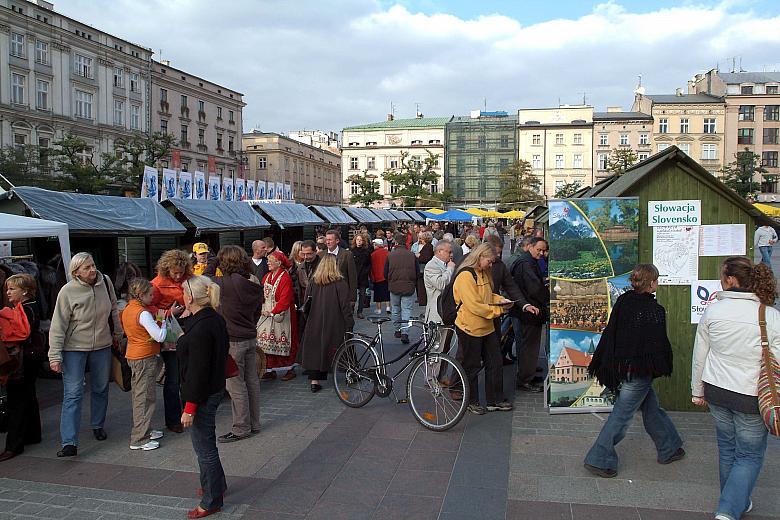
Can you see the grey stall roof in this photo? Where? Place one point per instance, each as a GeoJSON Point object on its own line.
{"type": "Point", "coordinates": [384, 215]}
{"type": "Point", "coordinates": [95, 214]}
{"type": "Point", "coordinates": [416, 215]}
{"type": "Point", "coordinates": [217, 215]}
{"type": "Point", "coordinates": [288, 214]}
{"type": "Point", "coordinates": [400, 215]}
{"type": "Point", "coordinates": [363, 215]}
{"type": "Point", "coordinates": [333, 214]}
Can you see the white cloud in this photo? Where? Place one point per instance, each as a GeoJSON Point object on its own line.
{"type": "Point", "coordinates": [326, 65]}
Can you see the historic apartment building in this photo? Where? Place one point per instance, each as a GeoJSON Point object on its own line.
{"type": "Point", "coordinates": [204, 117]}
{"type": "Point", "coordinates": [59, 76]}
{"type": "Point", "coordinates": [752, 115]}
{"type": "Point", "coordinates": [479, 147]}
{"type": "Point", "coordinates": [314, 173]}
{"type": "Point", "coordinates": [558, 142]}
{"type": "Point", "coordinates": [377, 147]}
{"type": "Point", "coordinates": [618, 130]}
{"type": "Point", "coordinates": [695, 123]}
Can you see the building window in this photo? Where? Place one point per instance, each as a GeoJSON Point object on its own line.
{"type": "Point", "coordinates": [119, 77]}
{"type": "Point", "coordinates": [481, 141]}
{"type": "Point", "coordinates": [219, 142]}
{"type": "Point", "coordinates": [135, 82]}
{"type": "Point", "coordinates": [577, 160]}
{"type": "Point", "coordinates": [536, 139]}
{"type": "Point", "coordinates": [230, 117]}
{"type": "Point", "coordinates": [603, 139]}
{"type": "Point", "coordinates": [164, 126]}
{"type": "Point", "coordinates": [769, 159]}
{"type": "Point", "coordinates": [17, 45]}
{"type": "Point", "coordinates": [685, 147]}
{"type": "Point", "coordinates": [20, 140]}
{"type": "Point", "coordinates": [482, 165]}
{"type": "Point", "coordinates": [746, 113]}
{"type": "Point", "coordinates": [262, 162]}
{"type": "Point", "coordinates": [83, 104]}
{"type": "Point", "coordinates": [184, 101]}
{"type": "Point", "coordinates": [416, 142]}
{"type": "Point", "coordinates": [84, 66]}
{"type": "Point", "coordinates": [771, 89]}
{"type": "Point", "coordinates": [663, 146]}
{"type": "Point", "coordinates": [683, 125]}
{"type": "Point", "coordinates": [644, 139]}
{"type": "Point", "coordinates": [353, 163]}
{"type": "Point", "coordinates": [42, 95]}
{"type": "Point", "coordinates": [746, 90]}
{"type": "Point", "coordinates": [603, 161]}
{"type": "Point", "coordinates": [17, 88]}
{"type": "Point", "coordinates": [772, 113]}
{"type": "Point", "coordinates": [558, 138]}
{"type": "Point", "coordinates": [504, 141]}
{"type": "Point", "coordinates": [771, 136]}
{"type": "Point", "coordinates": [641, 156]}
{"type": "Point", "coordinates": [135, 117]}
{"type": "Point", "coordinates": [183, 137]}
{"type": "Point", "coordinates": [230, 143]}
{"type": "Point", "coordinates": [201, 106]}
{"type": "Point", "coordinates": [577, 138]}
{"type": "Point", "coordinates": [503, 164]}
{"type": "Point", "coordinates": [119, 112]}
{"type": "Point", "coordinates": [41, 52]}
{"type": "Point", "coordinates": [201, 136]}
{"type": "Point", "coordinates": [709, 125]}
{"type": "Point", "coordinates": [434, 187]}
{"type": "Point", "coordinates": [164, 95]}
{"type": "Point", "coordinates": [623, 139]}
{"type": "Point", "coordinates": [394, 188]}
{"type": "Point", "coordinates": [745, 136]}
{"type": "Point", "coordinates": [460, 142]}
{"type": "Point", "coordinates": [430, 141]}
{"type": "Point", "coordinates": [371, 163]}
{"type": "Point", "coordinates": [663, 125]}
{"type": "Point", "coordinates": [460, 165]}
{"type": "Point", "coordinates": [394, 163]}
{"type": "Point", "coordinates": [354, 188]}
{"type": "Point", "coordinates": [219, 113]}
{"type": "Point", "coordinates": [536, 161]}
{"type": "Point", "coordinates": [559, 161]}
{"type": "Point", "coordinates": [559, 184]}
{"type": "Point", "coordinates": [709, 152]}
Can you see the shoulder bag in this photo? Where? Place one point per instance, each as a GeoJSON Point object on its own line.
{"type": "Point", "coordinates": [768, 380]}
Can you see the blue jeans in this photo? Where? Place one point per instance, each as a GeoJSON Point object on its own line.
{"type": "Point", "coordinates": [741, 447]}
{"type": "Point", "coordinates": [635, 394]}
{"type": "Point", "coordinates": [171, 397]}
{"type": "Point", "coordinates": [73, 368]}
{"type": "Point", "coordinates": [766, 255]}
{"type": "Point", "coordinates": [401, 308]}
{"type": "Point", "coordinates": [204, 442]}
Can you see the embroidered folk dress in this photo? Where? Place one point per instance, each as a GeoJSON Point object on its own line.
{"type": "Point", "coordinates": [278, 339]}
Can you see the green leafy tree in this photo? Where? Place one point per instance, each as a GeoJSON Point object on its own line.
{"type": "Point", "coordinates": [443, 198]}
{"type": "Point", "coordinates": [413, 179]}
{"type": "Point", "coordinates": [82, 173]}
{"type": "Point", "coordinates": [518, 183]}
{"type": "Point", "coordinates": [629, 214]}
{"type": "Point", "coordinates": [568, 190]}
{"type": "Point", "coordinates": [620, 160]}
{"type": "Point", "coordinates": [739, 174]}
{"type": "Point", "coordinates": [367, 189]}
{"type": "Point", "coordinates": [19, 166]}
{"type": "Point", "coordinates": [144, 150]}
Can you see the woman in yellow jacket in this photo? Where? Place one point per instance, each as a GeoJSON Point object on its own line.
{"type": "Point", "coordinates": [477, 307]}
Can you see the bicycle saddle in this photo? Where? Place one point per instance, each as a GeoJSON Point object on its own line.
{"type": "Point", "coordinates": [377, 319]}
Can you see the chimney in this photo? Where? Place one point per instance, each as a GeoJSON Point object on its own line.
{"type": "Point", "coordinates": [390, 117]}
{"type": "Point", "coordinates": [614, 109]}
{"type": "Point", "coordinates": [419, 115]}
{"type": "Point", "coordinates": [678, 92]}
{"type": "Point", "coordinates": [691, 86]}
{"type": "Point", "coordinates": [167, 63]}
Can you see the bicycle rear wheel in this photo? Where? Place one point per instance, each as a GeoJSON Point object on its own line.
{"type": "Point", "coordinates": [437, 394]}
{"type": "Point", "coordinates": [354, 365]}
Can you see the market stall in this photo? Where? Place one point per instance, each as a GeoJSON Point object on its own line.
{"type": "Point", "coordinates": [290, 222]}
{"type": "Point", "coordinates": [14, 227]}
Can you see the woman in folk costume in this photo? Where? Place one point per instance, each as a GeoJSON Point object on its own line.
{"type": "Point", "coordinates": [277, 329]}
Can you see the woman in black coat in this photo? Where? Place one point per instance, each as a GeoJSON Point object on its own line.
{"type": "Point", "coordinates": [361, 252]}
{"type": "Point", "coordinates": [329, 318]}
{"type": "Point", "coordinates": [202, 352]}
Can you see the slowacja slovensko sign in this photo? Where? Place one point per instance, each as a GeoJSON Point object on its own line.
{"type": "Point", "coordinates": [674, 213]}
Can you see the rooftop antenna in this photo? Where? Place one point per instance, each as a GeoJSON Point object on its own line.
{"type": "Point", "coordinates": [740, 65]}
{"type": "Point", "coordinates": [484, 102]}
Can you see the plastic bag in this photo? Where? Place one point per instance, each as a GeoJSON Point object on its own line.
{"type": "Point", "coordinates": [173, 330]}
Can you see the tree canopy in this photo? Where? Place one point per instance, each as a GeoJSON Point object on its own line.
{"type": "Point", "coordinates": [518, 183]}
{"type": "Point", "coordinates": [367, 189]}
{"type": "Point", "coordinates": [412, 180]}
{"type": "Point", "coordinates": [739, 174]}
{"type": "Point", "coordinates": [620, 160]}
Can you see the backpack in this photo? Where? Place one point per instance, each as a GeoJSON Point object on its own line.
{"type": "Point", "coordinates": [445, 305]}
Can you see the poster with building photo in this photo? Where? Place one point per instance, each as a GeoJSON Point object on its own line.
{"type": "Point", "coordinates": [170, 187]}
{"type": "Point", "coordinates": [199, 189]}
{"type": "Point", "coordinates": [240, 189]}
{"type": "Point", "coordinates": [261, 190]}
{"type": "Point", "coordinates": [149, 187]}
{"type": "Point", "coordinates": [227, 188]}
{"type": "Point", "coordinates": [185, 185]}
{"type": "Point", "coordinates": [215, 187]}
{"type": "Point", "coordinates": [593, 247]}
{"type": "Point", "coordinates": [251, 186]}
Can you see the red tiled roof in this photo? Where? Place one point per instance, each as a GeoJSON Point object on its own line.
{"type": "Point", "coordinates": [578, 358]}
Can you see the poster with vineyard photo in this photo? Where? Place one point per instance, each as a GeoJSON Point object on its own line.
{"type": "Point", "coordinates": [593, 248]}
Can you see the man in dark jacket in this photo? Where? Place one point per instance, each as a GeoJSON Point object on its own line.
{"type": "Point", "coordinates": [401, 274]}
{"type": "Point", "coordinates": [259, 259]}
{"type": "Point", "coordinates": [344, 260]}
{"type": "Point", "coordinates": [529, 279]}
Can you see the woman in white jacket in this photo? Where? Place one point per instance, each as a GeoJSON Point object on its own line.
{"type": "Point", "coordinates": [726, 363]}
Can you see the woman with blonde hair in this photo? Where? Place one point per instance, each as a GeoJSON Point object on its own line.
{"type": "Point", "coordinates": [477, 307]}
{"type": "Point", "coordinates": [329, 318]}
{"type": "Point", "coordinates": [143, 348]}
{"type": "Point", "coordinates": [80, 336]}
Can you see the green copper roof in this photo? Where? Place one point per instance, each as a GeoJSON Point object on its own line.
{"type": "Point", "coordinates": [417, 122]}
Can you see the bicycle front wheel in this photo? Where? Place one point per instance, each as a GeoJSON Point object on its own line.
{"type": "Point", "coordinates": [437, 392]}
{"type": "Point", "coordinates": [354, 367]}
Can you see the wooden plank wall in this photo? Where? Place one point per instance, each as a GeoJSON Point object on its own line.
{"type": "Point", "coordinates": [674, 183]}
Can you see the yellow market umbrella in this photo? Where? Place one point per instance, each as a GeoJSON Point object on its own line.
{"type": "Point", "coordinates": [476, 211]}
{"type": "Point", "coordinates": [493, 214]}
{"type": "Point", "coordinates": [435, 211]}
{"type": "Point", "coordinates": [772, 211]}
{"type": "Point", "coordinates": [515, 213]}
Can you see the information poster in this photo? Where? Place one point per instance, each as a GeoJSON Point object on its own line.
{"type": "Point", "coordinates": [227, 188]}
{"type": "Point", "coordinates": [279, 190]}
{"type": "Point", "coordinates": [723, 240]}
{"type": "Point", "coordinates": [215, 190]}
{"type": "Point", "coordinates": [703, 293]}
{"type": "Point", "coordinates": [674, 213]}
{"type": "Point", "coordinates": [676, 254]}
{"type": "Point", "coordinates": [261, 193]}
{"type": "Point", "coordinates": [185, 185]}
{"type": "Point", "coordinates": [149, 187]}
{"type": "Point", "coordinates": [593, 248]}
{"type": "Point", "coordinates": [240, 189]}
{"type": "Point", "coordinates": [271, 191]}
{"type": "Point", "coordinates": [287, 192]}
{"type": "Point", "coordinates": [200, 186]}
{"type": "Point", "coordinates": [251, 187]}
{"type": "Point", "coordinates": [170, 188]}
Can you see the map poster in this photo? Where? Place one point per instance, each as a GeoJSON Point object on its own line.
{"type": "Point", "coordinates": [676, 254]}
{"type": "Point", "coordinates": [723, 240]}
{"type": "Point", "coordinates": [199, 193]}
{"type": "Point", "coordinates": [703, 293]}
{"type": "Point", "coordinates": [593, 247]}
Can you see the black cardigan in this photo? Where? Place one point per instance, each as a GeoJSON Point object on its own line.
{"type": "Point", "coordinates": [202, 352]}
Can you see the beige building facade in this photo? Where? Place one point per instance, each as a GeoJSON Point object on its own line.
{"type": "Point", "coordinates": [378, 147]}
{"type": "Point", "coordinates": [314, 173]}
{"type": "Point", "coordinates": [695, 123]}
{"type": "Point", "coordinates": [619, 130]}
{"type": "Point", "coordinates": [558, 143]}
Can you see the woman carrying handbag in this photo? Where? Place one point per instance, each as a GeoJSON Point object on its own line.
{"type": "Point", "coordinates": [727, 358]}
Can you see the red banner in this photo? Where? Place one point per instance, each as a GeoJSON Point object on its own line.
{"type": "Point", "coordinates": [212, 164]}
{"type": "Point", "coordinates": [176, 159]}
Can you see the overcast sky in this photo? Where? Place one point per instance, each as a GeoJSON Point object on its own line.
{"type": "Point", "coordinates": [328, 64]}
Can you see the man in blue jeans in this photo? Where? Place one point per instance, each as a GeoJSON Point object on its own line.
{"type": "Point", "coordinates": [764, 238]}
{"type": "Point", "coordinates": [401, 269]}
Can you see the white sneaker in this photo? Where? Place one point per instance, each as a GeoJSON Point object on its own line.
{"type": "Point", "coordinates": [722, 517]}
{"type": "Point", "coordinates": [749, 507]}
{"type": "Point", "coordinates": [155, 434]}
{"type": "Point", "coordinates": [147, 446]}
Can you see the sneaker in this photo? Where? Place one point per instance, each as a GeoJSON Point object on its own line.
{"type": "Point", "coordinates": [677, 455]}
{"type": "Point", "coordinates": [722, 517]}
{"type": "Point", "coordinates": [145, 446]}
{"type": "Point", "coordinates": [155, 434]}
{"type": "Point", "coordinates": [530, 388]}
{"type": "Point", "coordinates": [601, 472]}
{"type": "Point", "coordinates": [503, 406]}
{"type": "Point", "coordinates": [397, 334]}
{"type": "Point", "coordinates": [476, 409]}
{"type": "Point", "coordinates": [69, 450]}
{"type": "Point", "coordinates": [749, 507]}
{"type": "Point", "coordinates": [405, 339]}
{"type": "Point", "coordinates": [231, 437]}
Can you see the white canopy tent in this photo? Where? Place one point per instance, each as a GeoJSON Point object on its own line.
{"type": "Point", "coordinates": [14, 226]}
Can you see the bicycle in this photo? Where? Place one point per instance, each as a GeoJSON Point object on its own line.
{"type": "Point", "coordinates": [435, 389]}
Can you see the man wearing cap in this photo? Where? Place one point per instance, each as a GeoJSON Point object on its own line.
{"type": "Point", "coordinates": [205, 262]}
